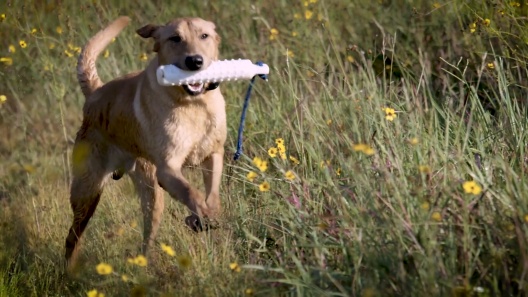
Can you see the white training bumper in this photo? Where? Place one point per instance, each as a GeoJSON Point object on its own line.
{"type": "Point", "coordinates": [218, 71]}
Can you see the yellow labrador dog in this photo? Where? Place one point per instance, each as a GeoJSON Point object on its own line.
{"type": "Point", "coordinates": [132, 125]}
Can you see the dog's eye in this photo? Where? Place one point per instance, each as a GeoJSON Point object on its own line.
{"type": "Point", "coordinates": [176, 39]}
{"type": "Point", "coordinates": [204, 36]}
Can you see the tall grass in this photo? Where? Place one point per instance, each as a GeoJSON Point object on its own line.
{"type": "Point", "coordinates": [373, 207]}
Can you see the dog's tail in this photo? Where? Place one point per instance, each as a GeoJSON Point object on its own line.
{"type": "Point", "coordinates": [86, 70]}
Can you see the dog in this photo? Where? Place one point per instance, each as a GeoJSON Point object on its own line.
{"type": "Point", "coordinates": [132, 125]}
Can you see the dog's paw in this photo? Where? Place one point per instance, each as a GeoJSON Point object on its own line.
{"type": "Point", "coordinates": [196, 223]}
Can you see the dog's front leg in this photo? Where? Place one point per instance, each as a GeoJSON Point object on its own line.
{"type": "Point", "coordinates": [212, 175]}
{"type": "Point", "coordinates": [171, 179]}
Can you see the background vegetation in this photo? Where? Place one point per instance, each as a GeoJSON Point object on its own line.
{"type": "Point", "coordinates": [401, 171]}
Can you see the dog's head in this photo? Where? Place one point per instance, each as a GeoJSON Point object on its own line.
{"type": "Point", "coordinates": [188, 43]}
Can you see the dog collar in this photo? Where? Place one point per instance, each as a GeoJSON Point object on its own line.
{"type": "Point", "coordinates": [212, 86]}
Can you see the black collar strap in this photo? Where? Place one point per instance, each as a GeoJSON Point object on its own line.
{"type": "Point", "coordinates": [212, 86]}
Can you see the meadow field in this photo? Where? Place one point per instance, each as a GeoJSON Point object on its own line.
{"type": "Point", "coordinates": [385, 156]}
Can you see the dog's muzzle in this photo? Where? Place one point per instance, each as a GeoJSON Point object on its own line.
{"type": "Point", "coordinates": [197, 89]}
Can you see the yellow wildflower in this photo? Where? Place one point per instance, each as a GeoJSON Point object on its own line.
{"type": "Point", "coordinates": [11, 48]}
{"type": "Point", "coordinates": [308, 14]}
{"type": "Point", "coordinates": [294, 33]}
{"type": "Point", "coordinates": [251, 176]}
{"type": "Point", "coordinates": [282, 155]}
{"type": "Point", "coordinates": [58, 30]}
{"type": "Point", "coordinates": [272, 152]}
{"type": "Point", "coordinates": [338, 171]}
{"type": "Point", "coordinates": [33, 31]}
{"type": "Point", "coordinates": [264, 187]}
{"type": "Point", "coordinates": [296, 15]}
{"type": "Point", "coordinates": [313, 1]}
{"type": "Point", "coordinates": [51, 45]}
{"type": "Point", "coordinates": [76, 49]}
{"type": "Point", "coordinates": [390, 114]}
{"type": "Point", "coordinates": [139, 261]}
{"type": "Point", "coordinates": [22, 44]}
{"type": "Point", "coordinates": [94, 293]}
{"type": "Point", "coordinates": [273, 34]}
{"type": "Point", "coordinates": [324, 163]}
{"type": "Point", "coordinates": [257, 161]}
{"type": "Point", "coordinates": [294, 160]}
{"type": "Point", "coordinates": [260, 164]}
{"type": "Point", "coordinates": [424, 169]}
{"type": "Point", "coordinates": [289, 53]}
{"type": "Point", "coordinates": [249, 292]}
{"type": "Point", "coordinates": [414, 141]}
{"type": "Point", "coordinates": [289, 175]}
{"type": "Point", "coordinates": [125, 278]}
{"type": "Point", "coordinates": [133, 224]}
{"type": "Point", "coordinates": [167, 249]}
{"type": "Point", "coordinates": [350, 59]}
{"type": "Point", "coordinates": [515, 4]}
{"type": "Point", "coordinates": [68, 53]}
{"type": "Point", "coordinates": [425, 206]}
{"type": "Point", "coordinates": [281, 148]}
{"type": "Point", "coordinates": [436, 5]}
{"type": "Point", "coordinates": [143, 57]}
{"type": "Point", "coordinates": [2, 17]}
{"type": "Point", "coordinates": [6, 60]}
{"type": "Point", "coordinates": [263, 166]}
{"type": "Point", "coordinates": [364, 148]}
{"type": "Point", "coordinates": [472, 27]}
{"type": "Point", "coordinates": [235, 267]}
{"type": "Point", "coordinates": [3, 98]}
{"type": "Point", "coordinates": [491, 65]}
{"type": "Point", "coordinates": [369, 151]}
{"type": "Point", "coordinates": [106, 54]}
{"type": "Point", "coordinates": [526, 218]}
{"type": "Point", "coordinates": [437, 216]}
{"type": "Point", "coordinates": [486, 22]}
{"type": "Point", "coordinates": [103, 268]}
{"type": "Point", "coordinates": [113, 39]}
{"type": "Point", "coordinates": [472, 187]}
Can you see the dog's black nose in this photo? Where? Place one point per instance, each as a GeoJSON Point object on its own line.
{"type": "Point", "coordinates": [194, 62]}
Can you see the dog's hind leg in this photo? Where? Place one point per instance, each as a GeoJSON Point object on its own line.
{"type": "Point", "coordinates": [151, 195]}
{"type": "Point", "coordinates": [89, 176]}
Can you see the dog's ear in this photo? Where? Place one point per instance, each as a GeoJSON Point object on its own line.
{"type": "Point", "coordinates": [149, 31]}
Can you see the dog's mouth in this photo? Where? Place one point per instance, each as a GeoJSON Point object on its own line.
{"type": "Point", "coordinates": [194, 89]}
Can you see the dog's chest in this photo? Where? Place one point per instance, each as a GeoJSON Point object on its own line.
{"type": "Point", "coordinates": [196, 132]}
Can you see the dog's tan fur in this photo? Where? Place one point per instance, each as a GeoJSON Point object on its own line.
{"type": "Point", "coordinates": [133, 125]}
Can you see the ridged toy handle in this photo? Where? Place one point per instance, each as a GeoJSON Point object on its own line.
{"type": "Point", "coordinates": [218, 71]}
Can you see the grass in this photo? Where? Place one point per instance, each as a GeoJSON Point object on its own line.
{"type": "Point", "coordinates": [375, 207]}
